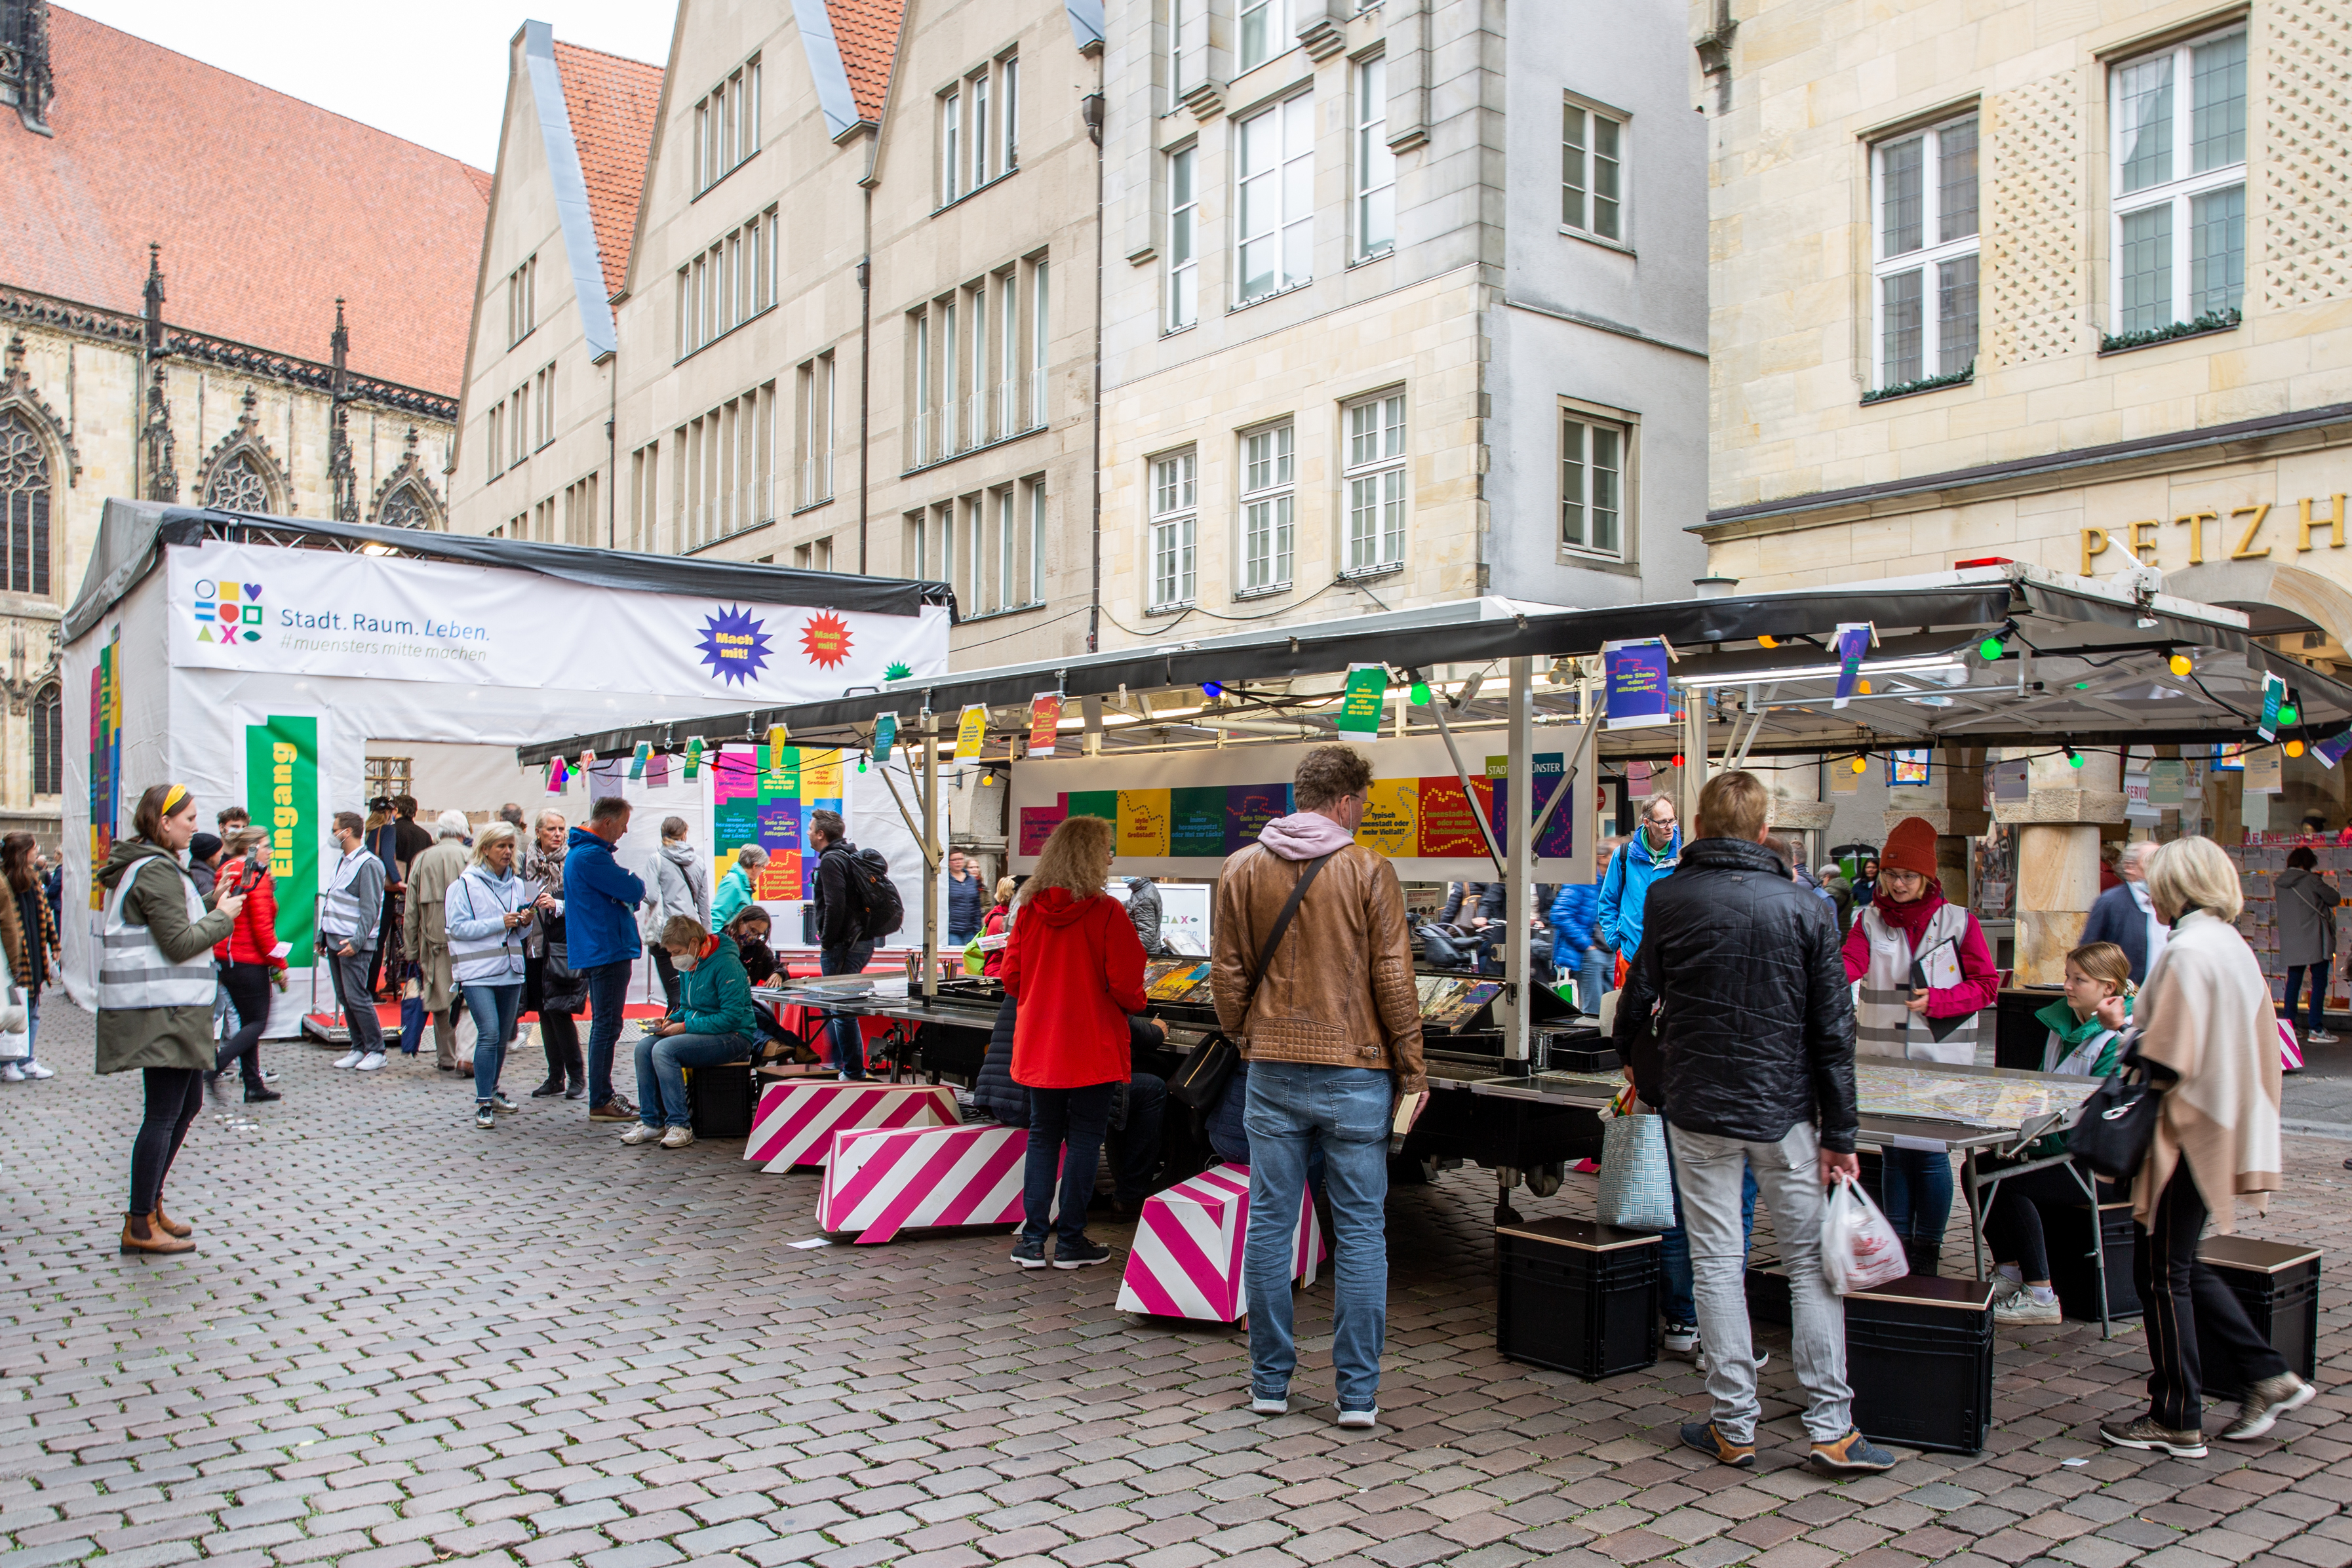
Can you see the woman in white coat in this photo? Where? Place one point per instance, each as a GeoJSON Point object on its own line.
{"type": "Point", "coordinates": [488, 913]}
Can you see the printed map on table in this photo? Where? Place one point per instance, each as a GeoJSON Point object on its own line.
{"type": "Point", "coordinates": [764, 795]}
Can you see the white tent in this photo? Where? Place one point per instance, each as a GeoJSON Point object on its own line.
{"type": "Point", "coordinates": [258, 660]}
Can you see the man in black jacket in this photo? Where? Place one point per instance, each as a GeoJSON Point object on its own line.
{"type": "Point", "coordinates": [1755, 1028]}
{"type": "Point", "coordinates": [842, 947]}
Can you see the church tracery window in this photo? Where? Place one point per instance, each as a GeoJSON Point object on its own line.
{"type": "Point", "coordinates": [236, 485]}
{"type": "Point", "coordinates": [404, 508]}
{"type": "Point", "coordinates": [48, 741]}
{"type": "Point", "coordinates": [25, 488]}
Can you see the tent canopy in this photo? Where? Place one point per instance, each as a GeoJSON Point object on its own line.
{"type": "Point", "coordinates": [132, 534]}
{"type": "Point", "coordinates": [2083, 662]}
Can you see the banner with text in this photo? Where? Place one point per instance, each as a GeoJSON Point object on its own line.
{"type": "Point", "coordinates": [282, 784]}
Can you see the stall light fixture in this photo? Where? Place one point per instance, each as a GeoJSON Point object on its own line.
{"type": "Point", "coordinates": [1420, 694]}
{"type": "Point", "coordinates": [2179, 664]}
{"type": "Point", "coordinates": [2294, 748]}
{"type": "Point", "coordinates": [1862, 764]}
{"type": "Point", "coordinates": [2288, 712]}
{"type": "Point", "coordinates": [1213, 689]}
{"type": "Point", "coordinates": [1994, 646]}
{"type": "Point", "coordinates": [2074, 757]}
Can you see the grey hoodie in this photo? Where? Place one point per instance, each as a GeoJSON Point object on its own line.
{"type": "Point", "coordinates": [683, 887]}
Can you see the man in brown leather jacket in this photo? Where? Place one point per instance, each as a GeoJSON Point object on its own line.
{"type": "Point", "coordinates": [1331, 1028]}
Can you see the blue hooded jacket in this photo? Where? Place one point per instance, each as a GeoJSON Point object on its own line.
{"type": "Point", "coordinates": [600, 901]}
{"type": "Point", "coordinates": [1573, 914]}
{"type": "Point", "coordinates": [1625, 886]}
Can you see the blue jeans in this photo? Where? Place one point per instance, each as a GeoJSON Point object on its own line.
{"type": "Point", "coordinates": [1294, 1108]}
{"type": "Point", "coordinates": [661, 1075]}
{"type": "Point", "coordinates": [2294, 973]}
{"type": "Point", "coordinates": [1592, 967]}
{"type": "Point", "coordinates": [1918, 1201]}
{"type": "Point", "coordinates": [1673, 1246]}
{"type": "Point", "coordinates": [32, 1028]}
{"type": "Point", "coordinates": [848, 1042]}
{"type": "Point", "coordinates": [1138, 1139]}
{"type": "Point", "coordinates": [495, 1008]}
{"type": "Point", "coordinates": [608, 997]}
{"type": "Point", "coordinates": [1079, 1118]}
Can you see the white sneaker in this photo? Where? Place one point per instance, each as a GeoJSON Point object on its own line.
{"type": "Point", "coordinates": [640, 1133]}
{"type": "Point", "coordinates": [678, 1137]}
{"type": "Point", "coordinates": [2319, 1037]}
{"type": "Point", "coordinates": [34, 1070]}
{"type": "Point", "coordinates": [351, 1060]}
{"type": "Point", "coordinates": [372, 1061]}
{"type": "Point", "coordinates": [1359, 1419]}
{"type": "Point", "coordinates": [1277, 1405]}
{"type": "Point", "coordinates": [12, 1073]}
{"type": "Point", "coordinates": [2021, 1308]}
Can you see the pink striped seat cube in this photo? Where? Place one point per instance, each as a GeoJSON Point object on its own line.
{"type": "Point", "coordinates": [1187, 1258]}
{"type": "Point", "coordinates": [797, 1119]}
{"type": "Point", "coordinates": [881, 1181]}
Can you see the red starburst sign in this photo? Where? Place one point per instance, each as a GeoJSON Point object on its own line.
{"type": "Point", "coordinates": [826, 639]}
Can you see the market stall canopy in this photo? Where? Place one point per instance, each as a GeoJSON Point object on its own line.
{"type": "Point", "coordinates": [2078, 661]}
{"type": "Point", "coordinates": [132, 534]}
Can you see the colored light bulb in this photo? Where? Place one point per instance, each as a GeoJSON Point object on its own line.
{"type": "Point", "coordinates": [1768, 642]}
{"type": "Point", "coordinates": [2180, 664]}
{"type": "Point", "coordinates": [2294, 748]}
{"type": "Point", "coordinates": [1420, 694]}
{"type": "Point", "coordinates": [2289, 715]}
{"type": "Point", "coordinates": [1861, 765]}
{"type": "Point", "coordinates": [1990, 648]}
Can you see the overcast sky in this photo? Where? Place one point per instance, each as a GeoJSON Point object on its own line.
{"type": "Point", "coordinates": [434, 72]}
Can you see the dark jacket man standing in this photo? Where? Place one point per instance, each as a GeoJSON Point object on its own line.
{"type": "Point", "coordinates": [600, 927]}
{"type": "Point", "coordinates": [1755, 1028]}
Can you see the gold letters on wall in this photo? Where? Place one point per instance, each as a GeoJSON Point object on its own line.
{"type": "Point", "coordinates": [2140, 538]}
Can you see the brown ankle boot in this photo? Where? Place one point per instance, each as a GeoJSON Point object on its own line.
{"type": "Point", "coordinates": [170, 1227]}
{"type": "Point", "coordinates": [138, 1235]}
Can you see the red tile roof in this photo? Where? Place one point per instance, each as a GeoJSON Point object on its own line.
{"type": "Point", "coordinates": [267, 209]}
{"type": "Point", "coordinates": [867, 32]}
{"type": "Point", "coordinates": [613, 102]}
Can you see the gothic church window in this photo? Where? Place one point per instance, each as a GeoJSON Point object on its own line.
{"type": "Point", "coordinates": [48, 742]}
{"type": "Point", "coordinates": [23, 507]}
{"type": "Point", "coordinates": [236, 485]}
{"type": "Point", "coordinates": [405, 508]}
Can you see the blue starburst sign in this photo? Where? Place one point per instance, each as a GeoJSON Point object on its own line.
{"type": "Point", "coordinates": [734, 646]}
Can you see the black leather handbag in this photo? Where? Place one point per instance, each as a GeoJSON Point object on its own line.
{"type": "Point", "coordinates": [1202, 1078]}
{"type": "Point", "coordinates": [2118, 1121]}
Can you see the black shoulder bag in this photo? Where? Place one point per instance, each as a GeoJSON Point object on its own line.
{"type": "Point", "coordinates": [2118, 1121]}
{"type": "Point", "coordinates": [1202, 1078]}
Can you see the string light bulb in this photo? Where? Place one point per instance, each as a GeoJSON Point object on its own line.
{"type": "Point", "coordinates": [1762, 641]}
{"type": "Point", "coordinates": [2074, 757]}
{"type": "Point", "coordinates": [2289, 715]}
{"type": "Point", "coordinates": [1991, 648]}
{"type": "Point", "coordinates": [1863, 686]}
{"type": "Point", "coordinates": [1861, 765]}
{"type": "Point", "coordinates": [1212, 690]}
{"type": "Point", "coordinates": [1420, 694]}
{"type": "Point", "coordinates": [1678, 759]}
{"type": "Point", "coordinates": [2179, 665]}
{"type": "Point", "coordinates": [2294, 748]}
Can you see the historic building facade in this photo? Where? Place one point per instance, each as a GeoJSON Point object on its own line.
{"type": "Point", "coordinates": [193, 312]}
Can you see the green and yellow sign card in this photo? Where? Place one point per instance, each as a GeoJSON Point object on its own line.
{"type": "Point", "coordinates": [1367, 696]}
{"type": "Point", "coordinates": [281, 783]}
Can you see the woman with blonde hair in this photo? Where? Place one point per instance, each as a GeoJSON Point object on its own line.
{"type": "Point", "coordinates": [486, 911]}
{"type": "Point", "coordinates": [997, 922]}
{"type": "Point", "coordinates": [2208, 1035]}
{"type": "Point", "coordinates": [1075, 968]}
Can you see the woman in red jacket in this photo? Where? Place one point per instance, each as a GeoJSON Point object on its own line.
{"type": "Point", "coordinates": [1076, 969]}
{"type": "Point", "coordinates": [250, 960]}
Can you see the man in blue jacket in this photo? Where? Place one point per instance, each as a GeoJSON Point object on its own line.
{"type": "Point", "coordinates": [1575, 915]}
{"type": "Point", "coordinates": [1649, 855]}
{"type": "Point", "coordinates": [600, 931]}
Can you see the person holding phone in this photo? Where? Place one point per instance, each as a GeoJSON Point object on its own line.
{"type": "Point", "coordinates": [251, 961]}
{"type": "Point", "coordinates": [486, 911]}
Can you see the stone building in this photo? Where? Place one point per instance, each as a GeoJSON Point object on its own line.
{"type": "Point", "coordinates": [2060, 284]}
{"type": "Point", "coordinates": [212, 293]}
{"type": "Point", "coordinates": [1405, 301]}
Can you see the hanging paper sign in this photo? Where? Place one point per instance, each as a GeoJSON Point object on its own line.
{"type": "Point", "coordinates": [694, 759]}
{"type": "Point", "coordinates": [587, 762]}
{"type": "Point", "coordinates": [2265, 771]}
{"type": "Point", "coordinates": [971, 733]}
{"type": "Point", "coordinates": [2012, 781]}
{"type": "Point", "coordinates": [658, 771]}
{"type": "Point", "coordinates": [559, 777]}
{"type": "Point", "coordinates": [1854, 641]}
{"type": "Point", "coordinates": [2228, 756]}
{"type": "Point", "coordinates": [885, 731]}
{"type": "Point", "coordinates": [2331, 751]}
{"type": "Point", "coordinates": [778, 735]}
{"type": "Point", "coordinates": [1636, 682]}
{"type": "Point", "coordinates": [1044, 723]}
{"type": "Point", "coordinates": [1910, 765]}
{"type": "Point", "coordinates": [2165, 783]}
{"type": "Point", "coordinates": [1365, 699]}
{"type": "Point", "coordinates": [638, 758]}
{"type": "Point", "coordinates": [2273, 697]}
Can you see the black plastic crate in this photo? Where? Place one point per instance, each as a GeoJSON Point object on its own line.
{"type": "Point", "coordinates": [2074, 1267]}
{"type": "Point", "coordinates": [1577, 1297]}
{"type": "Point", "coordinates": [1580, 1049]}
{"type": "Point", "coordinates": [719, 1099]}
{"type": "Point", "coordinates": [1918, 1354]}
{"type": "Point", "coordinates": [2278, 1284]}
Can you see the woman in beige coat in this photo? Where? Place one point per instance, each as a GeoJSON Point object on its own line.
{"type": "Point", "coordinates": [2209, 1038]}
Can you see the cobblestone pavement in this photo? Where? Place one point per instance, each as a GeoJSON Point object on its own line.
{"type": "Point", "coordinates": [407, 1341]}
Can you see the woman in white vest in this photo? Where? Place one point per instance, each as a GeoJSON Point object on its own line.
{"type": "Point", "coordinates": [155, 987]}
{"type": "Point", "coordinates": [1925, 974]}
{"type": "Point", "coordinates": [487, 914]}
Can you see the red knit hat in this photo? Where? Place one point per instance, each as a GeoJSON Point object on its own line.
{"type": "Point", "coordinates": [1910, 848]}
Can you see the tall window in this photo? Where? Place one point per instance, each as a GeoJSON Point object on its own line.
{"type": "Point", "coordinates": [1037, 540]}
{"type": "Point", "coordinates": [1175, 530]}
{"type": "Point", "coordinates": [976, 393]}
{"type": "Point", "coordinates": [522, 301]}
{"type": "Point", "coordinates": [543, 400]}
{"type": "Point", "coordinates": [1268, 498]}
{"type": "Point", "coordinates": [1009, 411]}
{"type": "Point", "coordinates": [1375, 478]}
{"type": "Point", "coordinates": [979, 134]}
{"type": "Point", "coordinates": [1592, 172]}
{"type": "Point", "coordinates": [25, 505]}
{"type": "Point", "coordinates": [1375, 170]}
{"type": "Point", "coordinates": [1592, 485]}
{"type": "Point", "coordinates": [1008, 71]}
{"type": "Point", "coordinates": [727, 125]}
{"type": "Point", "coordinates": [1183, 249]}
{"type": "Point", "coordinates": [980, 130]}
{"type": "Point", "coordinates": [952, 183]}
{"type": "Point", "coordinates": [494, 437]}
{"type": "Point", "coordinates": [2179, 238]}
{"type": "Point", "coordinates": [519, 418]}
{"type": "Point", "coordinates": [925, 419]}
{"type": "Point", "coordinates": [49, 742]}
{"type": "Point", "coordinates": [1188, 48]}
{"type": "Point", "coordinates": [580, 511]}
{"type": "Point", "coordinates": [728, 284]}
{"type": "Point", "coordinates": [816, 433]}
{"type": "Point", "coordinates": [1276, 236]}
{"type": "Point", "coordinates": [1924, 251]}
{"type": "Point", "coordinates": [1264, 29]}
{"type": "Point", "coordinates": [1039, 340]}
{"type": "Point", "coordinates": [950, 379]}
{"type": "Point", "coordinates": [235, 484]}
{"type": "Point", "coordinates": [644, 482]}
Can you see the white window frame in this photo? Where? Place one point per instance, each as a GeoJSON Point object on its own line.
{"type": "Point", "coordinates": [522, 301]}
{"type": "Point", "coordinates": [1585, 167]}
{"type": "Point", "coordinates": [1188, 48]}
{"type": "Point", "coordinates": [1373, 214]}
{"type": "Point", "coordinates": [1374, 482]}
{"type": "Point", "coordinates": [1183, 237]}
{"type": "Point", "coordinates": [977, 86]}
{"type": "Point", "coordinates": [726, 126]}
{"type": "Point", "coordinates": [1945, 267]}
{"type": "Point", "coordinates": [1040, 345]}
{"type": "Point", "coordinates": [1267, 514]}
{"type": "Point", "coordinates": [952, 187]}
{"type": "Point", "coordinates": [1577, 465]}
{"type": "Point", "coordinates": [1037, 540]}
{"type": "Point", "coordinates": [1266, 21]}
{"type": "Point", "coordinates": [1287, 182]}
{"type": "Point", "coordinates": [2185, 186]}
{"type": "Point", "coordinates": [1008, 111]}
{"type": "Point", "coordinates": [1007, 393]}
{"type": "Point", "coordinates": [1171, 556]}
{"type": "Point", "coordinates": [925, 418]}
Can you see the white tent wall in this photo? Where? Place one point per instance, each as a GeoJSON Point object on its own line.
{"type": "Point", "coordinates": [476, 780]}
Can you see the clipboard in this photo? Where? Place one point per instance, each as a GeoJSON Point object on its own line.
{"type": "Point", "coordinates": [1938, 969]}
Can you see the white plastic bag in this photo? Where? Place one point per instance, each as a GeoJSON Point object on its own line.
{"type": "Point", "coordinates": [1859, 1248]}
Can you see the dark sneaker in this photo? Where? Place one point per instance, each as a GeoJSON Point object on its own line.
{"type": "Point", "coordinates": [1079, 1254]}
{"type": "Point", "coordinates": [1702, 1436]}
{"type": "Point", "coordinates": [1682, 1340]}
{"type": "Point", "coordinates": [575, 1091]}
{"type": "Point", "coordinates": [613, 1109]}
{"type": "Point", "coordinates": [485, 1117]}
{"type": "Point", "coordinates": [2266, 1402]}
{"type": "Point", "coordinates": [1851, 1455]}
{"type": "Point", "coordinates": [2146, 1435]}
{"type": "Point", "coordinates": [1029, 1252]}
{"type": "Point", "coordinates": [256, 1095]}
{"type": "Point", "coordinates": [548, 1089]}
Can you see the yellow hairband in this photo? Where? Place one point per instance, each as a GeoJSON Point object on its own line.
{"type": "Point", "coordinates": [173, 798]}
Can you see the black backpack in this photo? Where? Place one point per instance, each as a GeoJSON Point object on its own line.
{"type": "Point", "coordinates": [883, 911]}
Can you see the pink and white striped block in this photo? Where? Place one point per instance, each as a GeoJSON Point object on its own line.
{"type": "Point", "coordinates": [1186, 1261]}
{"type": "Point", "coordinates": [881, 1181]}
{"type": "Point", "coordinates": [796, 1120]}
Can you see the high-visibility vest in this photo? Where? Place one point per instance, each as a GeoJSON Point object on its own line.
{"type": "Point", "coordinates": [495, 959]}
{"type": "Point", "coordinates": [341, 915]}
{"type": "Point", "coordinates": [132, 969]}
{"type": "Point", "coordinates": [1884, 1024]}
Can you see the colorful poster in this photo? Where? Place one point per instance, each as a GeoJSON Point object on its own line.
{"type": "Point", "coordinates": [2228, 756]}
{"type": "Point", "coordinates": [1636, 683]}
{"type": "Point", "coordinates": [1044, 723]}
{"type": "Point", "coordinates": [779, 881]}
{"type": "Point", "coordinates": [1392, 818]}
{"type": "Point", "coordinates": [1447, 828]}
{"type": "Point", "coordinates": [282, 784]}
{"type": "Point", "coordinates": [1248, 808]}
{"type": "Point", "coordinates": [886, 733]}
{"type": "Point", "coordinates": [1909, 766]}
{"type": "Point", "coordinates": [1143, 821]}
{"type": "Point", "coordinates": [2331, 751]}
{"type": "Point", "coordinates": [1037, 825]}
{"type": "Point", "coordinates": [2274, 698]}
{"type": "Point", "coordinates": [1364, 700]}
{"type": "Point", "coordinates": [1102, 802]}
{"type": "Point", "coordinates": [971, 733]}
{"type": "Point", "coordinates": [1558, 836]}
{"type": "Point", "coordinates": [1854, 641]}
{"type": "Point", "coordinates": [106, 764]}
{"type": "Point", "coordinates": [1196, 821]}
